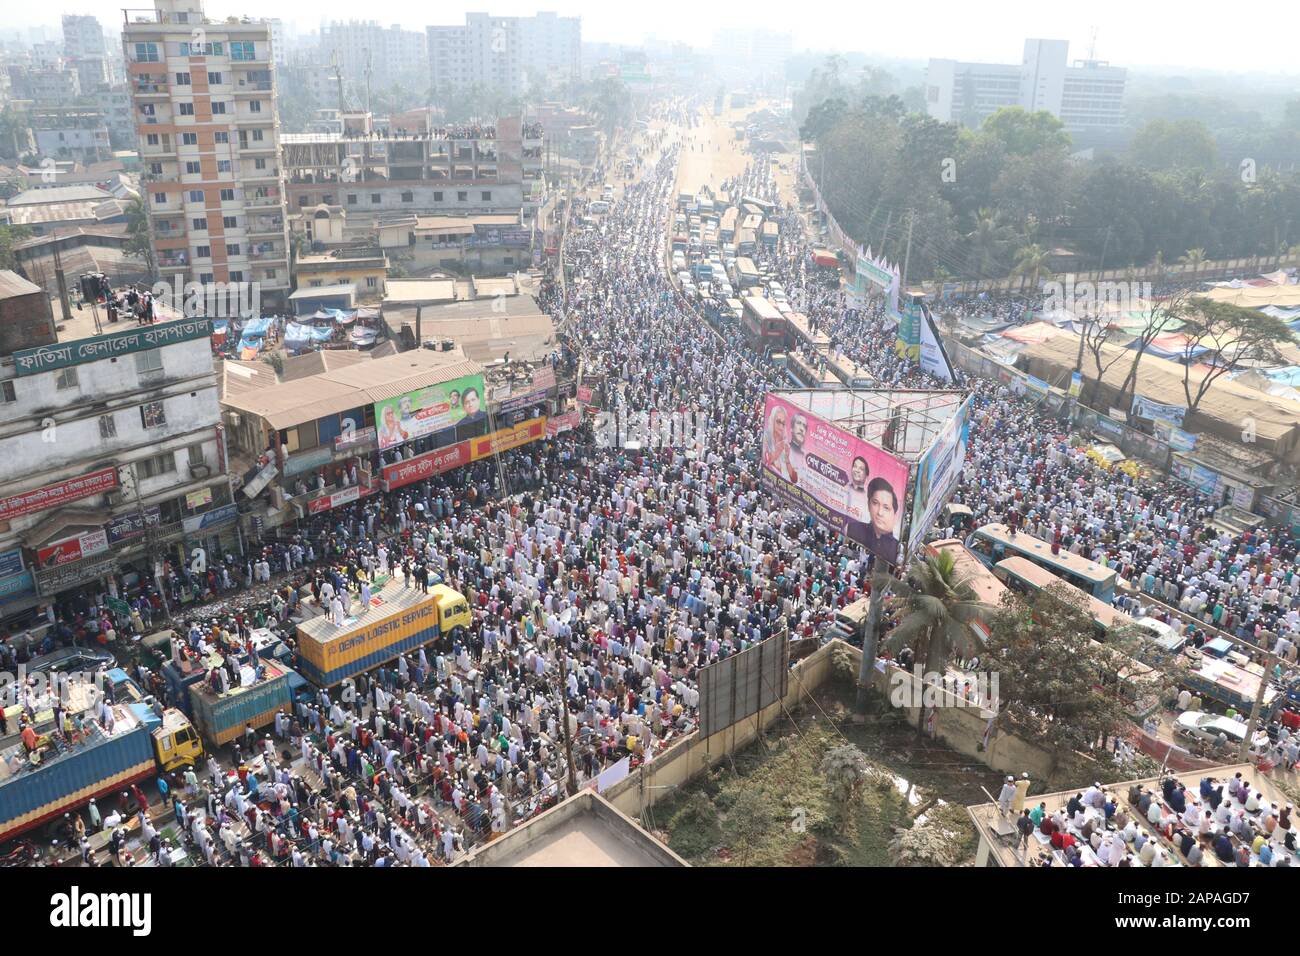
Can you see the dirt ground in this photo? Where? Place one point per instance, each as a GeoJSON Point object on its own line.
{"type": "Point", "coordinates": [723, 156]}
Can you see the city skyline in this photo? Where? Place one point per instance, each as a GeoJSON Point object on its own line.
{"type": "Point", "coordinates": [1148, 40]}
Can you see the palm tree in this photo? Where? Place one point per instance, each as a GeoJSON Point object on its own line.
{"type": "Point", "coordinates": [1158, 265]}
{"type": "Point", "coordinates": [137, 230]}
{"type": "Point", "coordinates": [1194, 258]}
{"type": "Point", "coordinates": [1293, 254]}
{"type": "Point", "coordinates": [1031, 261]}
{"type": "Point", "coordinates": [941, 608]}
{"type": "Point", "coordinates": [987, 241]}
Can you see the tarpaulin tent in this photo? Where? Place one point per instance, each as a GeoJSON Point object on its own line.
{"type": "Point", "coordinates": [1033, 332]}
{"type": "Point", "coordinates": [256, 327]}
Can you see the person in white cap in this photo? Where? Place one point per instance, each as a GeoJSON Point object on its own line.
{"type": "Point", "coordinates": [1007, 795]}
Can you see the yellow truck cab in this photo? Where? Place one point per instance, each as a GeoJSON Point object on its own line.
{"type": "Point", "coordinates": [175, 742]}
{"type": "Point", "coordinates": [453, 609]}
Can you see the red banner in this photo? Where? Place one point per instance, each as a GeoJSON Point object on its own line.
{"type": "Point", "coordinates": [563, 423]}
{"type": "Point", "coordinates": [51, 496]}
{"type": "Point", "coordinates": [426, 465]}
{"type": "Point", "coordinates": [73, 549]}
{"type": "Point", "coordinates": [339, 498]}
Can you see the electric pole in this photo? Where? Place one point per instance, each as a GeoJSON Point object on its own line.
{"type": "Point", "coordinates": [1255, 711]}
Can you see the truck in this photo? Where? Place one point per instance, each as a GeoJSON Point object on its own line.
{"type": "Point", "coordinates": [398, 620]}
{"type": "Point", "coordinates": [40, 785]}
{"type": "Point", "coordinates": [264, 690]}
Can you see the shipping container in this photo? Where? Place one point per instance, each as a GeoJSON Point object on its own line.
{"type": "Point", "coordinates": [770, 234]}
{"type": "Point", "coordinates": [222, 717]}
{"type": "Point", "coordinates": [399, 620]}
{"type": "Point", "coordinates": [99, 764]}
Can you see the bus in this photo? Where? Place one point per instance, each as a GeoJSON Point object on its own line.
{"type": "Point", "coordinates": [849, 372]}
{"type": "Point", "coordinates": [1024, 577]}
{"type": "Point", "coordinates": [988, 589]}
{"type": "Point", "coordinates": [800, 332]}
{"type": "Point", "coordinates": [762, 322]}
{"type": "Point", "coordinates": [809, 376]}
{"type": "Point", "coordinates": [993, 542]}
{"type": "Point", "coordinates": [727, 227]}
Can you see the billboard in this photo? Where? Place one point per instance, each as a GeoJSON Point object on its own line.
{"type": "Point", "coordinates": [59, 493]}
{"type": "Point", "coordinates": [743, 684]}
{"type": "Point", "coordinates": [433, 408]}
{"type": "Point", "coordinates": [908, 343]}
{"type": "Point", "coordinates": [72, 549]}
{"type": "Point", "coordinates": [934, 358]}
{"type": "Point", "coordinates": [849, 485]}
{"type": "Point", "coordinates": [425, 466]}
{"type": "Point", "coordinates": [937, 473]}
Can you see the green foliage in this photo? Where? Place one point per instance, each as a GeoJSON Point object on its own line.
{"type": "Point", "coordinates": [1021, 133]}
{"type": "Point", "coordinates": [1176, 144]}
{"type": "Point", "coordinates": [748, 820]}
{"type": "Point", "coordinates": [694, 829]}
{"type": "Point", "coordinates": [10, 236]}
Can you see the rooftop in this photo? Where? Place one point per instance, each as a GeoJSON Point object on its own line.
{"type": "Point", "coordinates": [59, 194]}
{"type": "Point", "coordinates": [584, 830]}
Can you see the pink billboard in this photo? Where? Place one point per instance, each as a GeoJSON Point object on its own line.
{"type": "Point", "coordinates": [845, 483]}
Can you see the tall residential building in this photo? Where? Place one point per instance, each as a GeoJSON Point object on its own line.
{"type": "Point", "coordinates": [1088, 96]}
{"type": "Point", "coordinates": [504, 53]}
{"type": "Point", "coordinates": [86, 51]}
{"type": "Point", "coordinates": [209, 138]}
{"type": "Point", "coordinates": [365, 45]}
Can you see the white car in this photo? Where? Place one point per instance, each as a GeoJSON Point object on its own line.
{"type": "Point", "coordinates": [1208, 727]}
{"type": "Point", "coordinates": [683, 277]}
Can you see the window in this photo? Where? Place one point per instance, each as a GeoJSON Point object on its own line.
{"type": "Point", "coordinates": [67, 378]}
{"type": "Point", "coordinates": [152, 415]}
{"type": "Point", "coordinates": [230, 222]}
{"type": "Point", "coordinates": [408, 197]}
{"type": "Point", "coordinates": [219, 108]}
{"type": "Point", "coordinates": [462, 197]}
{"type": "Point", "coordinates": [254, 106]}
{"type": "Point", "coordinates": [156, 465]}
{"type": "Point", "coordinates": [222, 138]}
{"type": "Point", "coordinates": [242, 50]}
{"type": "Point", "coordinates": [146, 53]}
{"type": "Point", "coordinates": [203, 252]}
{"type": "Point", "coordinates": [223, 165]}
{"type": "Point", "coordinates": [257, 136]}
{"type": "Point", "coordinates": [486, 195]}
{"type": "Point", "coordinates": [199, 225]}
{"type": "Point", "coordinates": [214, 79]}
{"type": "Point", "coordinates": [7, 392]}
{"type": "Point", "coordinates": [196, 454]}
{"type": "Point", "coordinates": [374, 199]}
{"type": "Point", "coordinates": [302, 202]}
{"type": "Point", "coordinates": [259, 163]}
{"type": "Point", "coordinates": [232, 249]}
{"type": "Point", "coordinates": [270, 273]}
{"type": "Point", "coordinates": [237, 276]}
{"type": "Point", "coordinates": [151, 139]}
{"type": "Point", "coordinates": [160, 199]}
{"type": "Point", "coordinates": [227, 195]}
{"type": "Point", "coordinates": [182, 79]}
{"type": "Point", "coordinates": [189, 139]}
{"type": "Point", "coordinates": [371, 282]}
{"type": "Point", "coordinates": [155, 169]}
{"type": "Point", "coordinates": [437, 197]}
{"type": "Point", "coordinates": [352, 199]}
{"type": "Point", "coordinates": [192, 168]}
{"type": "Point", "coordinates": [150, 361]}
{"type": "Point", "coordinates": [185, 109]}
{"type": "Point", "coordinates": [196, 195]}
{"type": "Point", "coordinates": [205, 277]}
{"type": "Point", "coordinates": [146, 109]}
{"type": "Point", "coordinates": [107, 427]}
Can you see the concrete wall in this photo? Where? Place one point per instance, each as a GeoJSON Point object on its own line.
{"type": "Point", "coordinates": [961, 728]}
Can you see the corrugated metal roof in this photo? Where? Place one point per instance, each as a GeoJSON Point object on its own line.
{"type": "Point", "coordinates": [58, 194]}
{"type": "Point", "coordinates": [12, 284]}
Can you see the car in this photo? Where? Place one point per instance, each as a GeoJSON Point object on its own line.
{"type": "Point", "coordinates": [67, 659]}
{"type": "Point", "coordinates": [1208, 727]}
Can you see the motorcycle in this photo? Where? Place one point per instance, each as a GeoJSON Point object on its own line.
{"type": "Point", "coordinates": [23, 853]}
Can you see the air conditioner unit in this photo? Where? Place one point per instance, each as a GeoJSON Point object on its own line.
{"type": "Point", "coordinates": [115, 498]}
{"type": "Point", "coordinates": [200, 470]}
{"type": "Point", "coordinates": [234, 419]}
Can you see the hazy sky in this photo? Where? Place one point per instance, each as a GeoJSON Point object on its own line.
{"type": "Point", "coordinates": [1132, 33]}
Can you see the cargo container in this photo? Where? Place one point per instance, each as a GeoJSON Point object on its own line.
{"type": "Point", "coordinates": [745, 242]}
{"type": "Point", "coordinates": [66, 776]}
{"type": "Point", "coordinates": [222, 717]}
{"type": "Point", "coordinates": [770, 234]}
{"type": "Point", "coordinates": [1226, 683]}
{"type": "Point", "coordinates": [399, 620]}
{"type": "Point", "coordinates": [727, 226]}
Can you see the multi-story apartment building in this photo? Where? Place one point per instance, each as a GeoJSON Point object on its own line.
{"type": "Point", "coordinates": [1088, 96]}
{"type": "Point", "coordinates": [112, 457]}
{"type": "Point", "coordinates": [361, 45]}
{"type": "Point", "coordinates": [209, 135]}
{"type": "Point", "coordinates": [114, 105]}
{"type": "Point", "coordinates": [502, 53]}
{"type": "Point", "coordinates": [456, 170]}
{"type": "Point", "coordinates": [85, 51]}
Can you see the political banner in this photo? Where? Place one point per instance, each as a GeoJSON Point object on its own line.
{"type": "Point", "coordinates": [431, 409]}
{"type": "Point", "coordinates": [425, 466]}
{"type": "Point", "coordinates": [934, 359]}
{"type": "Point", "coordinates": [848, 485]}
{"type": "Point", "coordinates": [1145, 408]}
{"type": "Point", "coordinates": [59, 493]}
{"type": "Point", "coordinates": [937, 472]}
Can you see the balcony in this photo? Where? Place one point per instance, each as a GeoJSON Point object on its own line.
{"type": "Point", "coordinates": [173, 262]}
{"type": "Point", "coordinates": [273, 254]}
{"type": "Point", "coordinates": [263, 201]}
{"type": "Point", "coordinates": [142, 90]}
{"type": "Point", "coordinates": [263, 226]}
{"type": "Point", "coordinates": [248, 87]}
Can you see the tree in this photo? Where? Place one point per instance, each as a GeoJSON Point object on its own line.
{"type": "Point", "coordinates": [1022, 133]}
{"type": "Point", "coordinates": [1194, 258]}
{"type": "Point", "coordinates": [10, 236]}
{"type": "Point", "coordinates": [1163, 315]}
{"type": "Point", "coordinates": [1049, 673]}
{"type": "Point", "coordinates": [1177, 144]}
{"type": "Point", "coordinates": [821, 119]}
{"type": "Point", "coordinates": [845, 769]}
{"type": "Point", "coordinates": [1231, 334]}
{"type": "Point", "coordinates": [138, 243]}
{"type": "Point", "coordinates": [748, 819]}
{"type": "Point", "coordinates": [1031, 261]}
{"type": "Point", "coordinates": [988, 242]}
{"type": "Point", "coordinates": [939, 608]}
